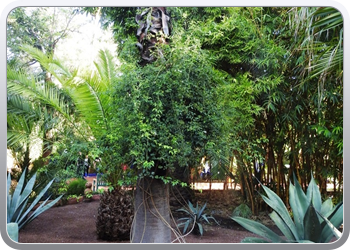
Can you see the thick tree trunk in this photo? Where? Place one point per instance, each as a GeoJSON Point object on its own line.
{"type": "Point", "coordinates": [152, 212]}
{"type": "Point", "coordinates": [152, 209]}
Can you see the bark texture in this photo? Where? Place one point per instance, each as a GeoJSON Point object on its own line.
{"type": "Point", "coordinates": [152, 212]}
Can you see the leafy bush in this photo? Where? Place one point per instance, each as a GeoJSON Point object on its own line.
{"type": "Point", "coordinates": [243, 211]}
{"type": "Point", "coordinates": [18, 207]}
{"type": "Point", "coordinates": [76, 187]}
{"type": "Point", "coordinates": [194, 221]}
{"type": "Point", "coordinates": [314, 221]}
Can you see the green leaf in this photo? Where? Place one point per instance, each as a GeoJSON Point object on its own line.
{"type": "Point", "coordinates": [259, 229]}
{"type": "Point", "coordinates": [334, 230]}
{"type": "Point", "coordinates": [282, 226]}
{"type": "Point", "coordinates": [202, 209]}
{"type": "Point", "coordinates": [299, 204]}
{"type": "Point", "coordinates": [327, 206]}
{"type": "Point", "coordinates": [312, 226]}
{"type": "Point", "coordinates": [336, 218]}
{"type": "Point", "coordinates": [314, 195]}
{"type": "Point", "coordinates": [200, 228]}
{"type": "Point", "coordinates": [42, 208]}
{"type": "Point", "coordinates": [275, 202]}
{"type": "Point", "coordinates": [18, 211]}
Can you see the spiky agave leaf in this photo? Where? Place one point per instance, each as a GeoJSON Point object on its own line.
{"type": "Point", "coordinates": [299, 203]}
{"type": "Point", "coordinates": [18, 199]}
{"type": "Point", "coordinates": [23, 220]}
{"type": "Point", "coordinates": [335, 219]}
{"type": "Point", "coordinates": [275, 202]}
{"type": "Point", "coordinates": [185, 224]}
{"type": "Point", "coordinates": [201, 210]}
{"type": "Point", "coordinates": [206, 218]}
{"type": "Point", "coordinates": [259, 229]}
{"type": "Point", "coordinates": [312, 225]}
{"type": "Point", "coordinates": [327, 206]}
{"type": "Point", "coordinates": [42, 208]}
{"type": "Point", "coordinates": [314, 195]}
{"type": "Point", "coordinates": [12, 230]}
{"type": "Point", "coordinates": [17, 209]}
{"type": "Point", "coordinates": [282, 226]}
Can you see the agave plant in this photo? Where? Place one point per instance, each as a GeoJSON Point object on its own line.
{"type": "Point", "coordinates": [314, 221]}
{"type": "Point", "coordinates": [195, 218]}
{"type": "Point", "coordinates": [18, 207]}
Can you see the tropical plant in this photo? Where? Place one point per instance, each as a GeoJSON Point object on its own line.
{"type": "Point", "coordinates": [312, 221]}
{"type": "Point", "coordinates": [43, 28]}
{"type": "Point", "coordinates": [18, 206]}
{"type": "Point", "coordinates": [115, 215]}
{"type": "Point", "coordinates": [196, 216]}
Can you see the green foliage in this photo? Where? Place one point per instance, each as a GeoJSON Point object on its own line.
{"type": "Point", "coordinates": [88, 195]}
{"type": "Point", "coordinates": [242, 211]}
{"type": "Point", "coordinates": [76, 187]}
{"type": "Point", "coordinates": [254, 79]}
{"type": "Point", "coordinates": [41, 27]}
{"type": "Point", "coordinates": [18, 206]}
{"type": "Point", "coordinates": [167, 112]}
{"type": "Point", "coordinates": [313, 221]}
{"type": "Point", "coordinates": [196, 217]}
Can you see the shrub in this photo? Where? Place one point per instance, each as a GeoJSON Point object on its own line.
{"type": "Point", "coordinates": [76, 187]}
{"type": "Point", "coordinates": [243, 211]}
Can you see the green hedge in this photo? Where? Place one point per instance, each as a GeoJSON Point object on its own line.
{"type": "Point", "coordinates": [76, 187]}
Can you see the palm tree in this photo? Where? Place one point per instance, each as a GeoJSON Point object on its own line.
{"type": "Point", "coordinates": [81, 104]}
{"type": "Point", "coordinates": [322, 42]}
{"type": "Point", "coordinates": [29, 110]}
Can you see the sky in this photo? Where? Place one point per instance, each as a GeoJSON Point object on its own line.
{"type": "Point", "coordinates": [82, 47]}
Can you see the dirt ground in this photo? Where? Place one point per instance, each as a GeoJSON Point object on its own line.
{"type": "Point", "coordinates": [75, 223]}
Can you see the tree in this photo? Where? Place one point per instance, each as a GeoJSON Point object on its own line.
{"type": "Point", "coordinates": [268, 91]}
{"type": "Point", "coordinates": [79, 109]}
{"type": "Point", "coordinates": [272, 99]}
{"type": "Point", "coordinates": [41, 28]}
{"type": "Point", "coordinates": [167, 115]}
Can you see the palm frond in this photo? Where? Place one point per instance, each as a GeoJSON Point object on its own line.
{"type": "Point", "coordinates": [327, 18]}
{"type": "Point", "coordinates": [37, 93]}
{"type": "Point", "coordinates": [90, 93]}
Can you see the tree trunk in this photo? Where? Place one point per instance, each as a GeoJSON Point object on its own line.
{"type": "Point", "coordinates": [152, 212]}
{"type": "Point", "coordinates": [152, 209]}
